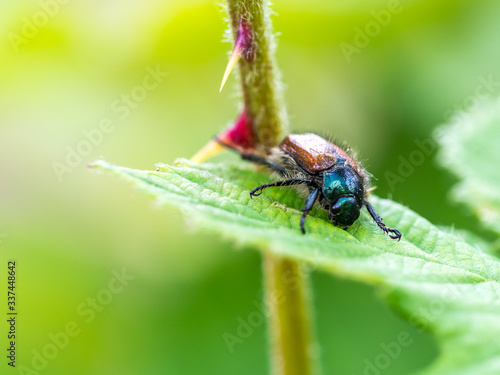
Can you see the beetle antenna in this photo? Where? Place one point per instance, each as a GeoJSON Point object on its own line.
{"type": "Point", "coordinates": [393, 233]}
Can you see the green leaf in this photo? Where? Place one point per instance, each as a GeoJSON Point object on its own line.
{"type": "Point", "coordinates": [434, 279]}
{"type": "Point", "coordinates": [470, 145]}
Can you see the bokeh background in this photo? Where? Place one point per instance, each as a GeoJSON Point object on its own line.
{"type": "Point", "coordinates": [71, 232]}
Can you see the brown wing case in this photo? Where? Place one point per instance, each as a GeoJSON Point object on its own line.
{"type": "Point", "coordinates": [311, 152]}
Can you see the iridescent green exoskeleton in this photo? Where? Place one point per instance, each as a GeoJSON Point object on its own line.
{"type": "Point", "coordinates": [330, 175]}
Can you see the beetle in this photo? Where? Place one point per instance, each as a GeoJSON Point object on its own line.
{"type": "Point", "coordinates": [329, 174]}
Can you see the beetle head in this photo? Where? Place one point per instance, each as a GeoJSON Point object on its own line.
{"type": "Point", "coordinates": [344, 212]}
{"type": "Point", "coordinates": [343, 189]}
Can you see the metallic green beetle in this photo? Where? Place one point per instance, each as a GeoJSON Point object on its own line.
{"type": "Point", "coordinates": [329, 175]}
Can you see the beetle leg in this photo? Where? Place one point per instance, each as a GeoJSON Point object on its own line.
{"type": "Point", "coordinates": [254, 158]}
{"type": "Point", "coordinates": [393, 233]}
{"type": "Point", "coordinates": [292, 181]}
{"type": "Point", "coordinates": [311, 199]}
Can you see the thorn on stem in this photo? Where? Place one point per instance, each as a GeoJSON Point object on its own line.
{"type": "Point", "coordinates": [243, 46]}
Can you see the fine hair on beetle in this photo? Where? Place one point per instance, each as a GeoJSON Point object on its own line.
{"type": "Point", "coordinates": [325, 173]}
{"type": "Point", "coordinates": [293, 171]}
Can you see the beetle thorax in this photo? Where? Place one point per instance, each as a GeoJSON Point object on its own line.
{"type": "Point", "coordinates": [342, 181]}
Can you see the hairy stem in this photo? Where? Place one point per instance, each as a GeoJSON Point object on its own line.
{"type": "Point", "coordinates": [260, 77]}
{"type": "Point", "coordinates": [286, 287]}
{"type": "Point", "coordinates": [293, 350]}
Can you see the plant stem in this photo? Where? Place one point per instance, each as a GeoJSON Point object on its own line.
{"type": "Point", "coordinates": [286, 287]}
{"type": "Point", "coordinates": [260, 77]}
{"type": "Point", "coordinates": [287, 294]}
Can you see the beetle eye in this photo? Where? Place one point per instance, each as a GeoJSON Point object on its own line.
{"type": "Point", "coordinates": [345, 212]}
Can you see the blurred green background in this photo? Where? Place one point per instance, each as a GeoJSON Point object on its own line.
{"type": "Point", "coordinates": [71, 231]}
